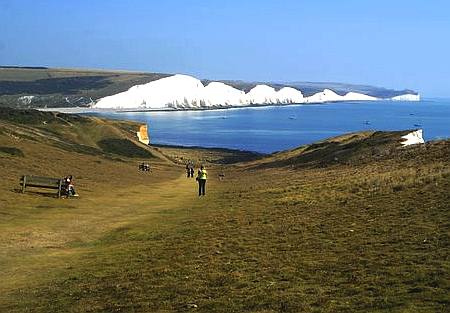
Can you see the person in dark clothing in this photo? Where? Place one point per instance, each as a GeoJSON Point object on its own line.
{"type": "Point", "coordinates": [188, 170]}
{"type": "Point", "coordinates": [68, 186]}
{"type": "Point", "coordinates": [145, 167]}
{"type": "Point", "coordinates": [202, 175]}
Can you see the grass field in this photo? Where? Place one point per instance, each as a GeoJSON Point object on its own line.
{"type": "Point", "coordinates": [351, 224]}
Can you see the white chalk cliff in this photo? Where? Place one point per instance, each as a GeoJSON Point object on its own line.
{"type": "Point", "coordinates": [413, 138]}
{"type": "Point", "coordinates": [183, 91]}
{"type": "Point", "coordinates": [407, 97]}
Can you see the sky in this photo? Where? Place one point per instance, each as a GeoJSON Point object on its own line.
{"type": "Point", "coordinates": [389, 43]}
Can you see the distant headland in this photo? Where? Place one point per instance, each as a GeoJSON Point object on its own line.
{"type": "Point", "coordinates": [41, 87]}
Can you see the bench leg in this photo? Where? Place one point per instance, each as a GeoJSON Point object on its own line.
{"type": "Point", "coordinates": [59, 189]}
{"type": "Point", "coordinates": [24, 183]}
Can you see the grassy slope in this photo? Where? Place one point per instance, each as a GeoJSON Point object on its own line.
{"type": "Point", "coordinates": [55, 87]}
{"type": "Point", "coordinates": [277, 235]}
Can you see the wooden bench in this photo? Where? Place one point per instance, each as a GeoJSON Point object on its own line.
{"type": "Point", "coordinates": [41, 182]}
{"type": "Point", "coordinates": [144, 167]}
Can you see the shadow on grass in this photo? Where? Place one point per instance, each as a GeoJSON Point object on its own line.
{"type": "Point", "coordinates": [47, 194]}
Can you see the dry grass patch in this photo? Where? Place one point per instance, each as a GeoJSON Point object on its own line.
{"type": "Point", "coordinates": [328, 238]}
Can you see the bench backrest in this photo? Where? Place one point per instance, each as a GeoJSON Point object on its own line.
{"type": "Point", "coordinates": [40, 181]}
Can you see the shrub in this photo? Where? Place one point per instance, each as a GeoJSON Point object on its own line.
{"type": "Point", "coordinates": [123, 147]}
{"type": "Point", "coordinates": [11, 151]}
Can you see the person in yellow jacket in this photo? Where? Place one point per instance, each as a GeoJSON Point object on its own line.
{"type": "Point", "coordinates": [202, 175]}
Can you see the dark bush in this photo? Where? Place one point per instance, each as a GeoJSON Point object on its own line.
{"type": "Point", "coordinates": [123, 147]}
{"type": "Point", "coordinates": [11, 151]}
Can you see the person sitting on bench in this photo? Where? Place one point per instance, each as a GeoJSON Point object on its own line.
{"type": "Point", "coordinates": [68, 186]}
{"type": "Point", "coordinates": [144, 167]}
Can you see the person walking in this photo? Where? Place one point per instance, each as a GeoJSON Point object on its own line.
{"type": "Point", "coordinates": [188, 170]}
{"type": "Point", "coordinates": [202, 175]}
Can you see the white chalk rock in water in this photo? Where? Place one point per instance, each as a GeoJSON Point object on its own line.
{"type": "Point", "coordinates": [413, 138]}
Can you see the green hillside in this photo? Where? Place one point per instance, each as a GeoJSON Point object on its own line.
{"type": "Point", "coordinates": [355, 223]}
{"type": "Point", "coordinates": [64, 87]}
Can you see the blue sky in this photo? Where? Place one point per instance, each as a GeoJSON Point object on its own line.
{"type": "Point", "coordinates": [391, 43]}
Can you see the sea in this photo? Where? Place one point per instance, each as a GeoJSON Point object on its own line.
{"type": "Point", "coordinates": [269, 129]}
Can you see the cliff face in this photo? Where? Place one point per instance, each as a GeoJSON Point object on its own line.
{"type": "Point", "coordinates": [183, 91]}
{"type": "Point", "coordinates": [41, 87]}
{"type": "Point", "coordinates": [407, 97]}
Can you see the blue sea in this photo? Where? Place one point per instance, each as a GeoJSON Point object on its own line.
{"type": "Point", "coordinates": [274, 128]}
